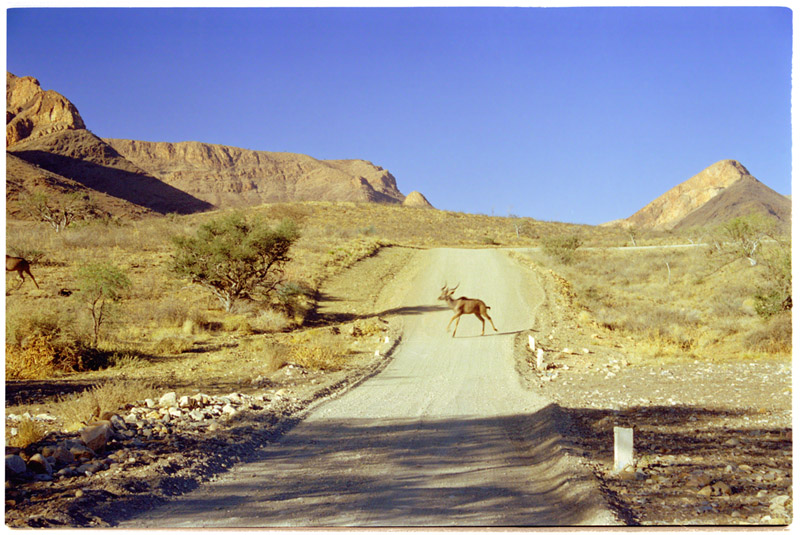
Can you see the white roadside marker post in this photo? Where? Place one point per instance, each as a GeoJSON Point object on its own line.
{"type": "Point", "coordinates": [540, 359]}
{"type": "Point", "coordinates": [623, 448]}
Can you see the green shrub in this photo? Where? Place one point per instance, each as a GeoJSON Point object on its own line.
{"type": "Point", "coordinates": [100, 284]}
{"type": "Point", "coordinates": [775, 336]}
{"type": "Point", "coordinates": [562, 248]}
{"type": "Point", "coordinates": [233, 257]}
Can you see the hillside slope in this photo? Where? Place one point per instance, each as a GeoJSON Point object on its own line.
{"type": "Point", "coordinates": [82, 157]}
{"type": "Point", "coordinates": [234, 177]}
{"type": "Point", "coordinates": [45, 130]}
{"type": "Point", "coordinates": [32, 112]}
{"type": "Point", "coordinates": [743, 197]}
{"type": "Point", "coordinates": [24, 178]}
{"type": "Point", "coordinates": [722, 191]}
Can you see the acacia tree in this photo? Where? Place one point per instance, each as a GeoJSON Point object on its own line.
{"type": "Point", "coordinates": [99, 285]}
{"type": "Point", "coordinates": [742, 237]}
{"type": "Point", "coordinates": [58, 211]}
{"type": "Point", "coordinates": [233, 257]}
{"type": "Point", "coordinates": [756, 238]}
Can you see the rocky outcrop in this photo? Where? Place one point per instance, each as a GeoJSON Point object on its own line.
{"type": "Point", "coordinates": [743, 197]}
{"type": "Point", "coordinates": [32, 112]}
{"type": "Point", "coordinates": [233, 177]}
{"type": "Point", "coordinates": [726, 179]}
{"type": "Point", "coordinates": [416, 199]}
{"type": "Point", "coordinates": [49, 145]}
{"type": "Point", "coordinates": [81, 157]}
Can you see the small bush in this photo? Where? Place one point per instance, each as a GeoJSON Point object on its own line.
{"type": "Point", "coordinates": [317, 357]}
{"type": "Point", "coordinates": [236, 323]}
{"type": "Point", "coordinates": [271, 356]}
{"type": "Point", "coordinates": [76, 410]}
{"type": "Point", "coordinates": [562, 248]}
{"type": "Point", "coordinates": [271, 321]}
{"type": "Point", "coordinates": [101, 284]}
{"type": "Point", "coordinates": [40, 358]}
{"type": "Point", "coordinates": [172, 344]}
{"type": "Point", "coordinates": [769, 303]}
{"type": "Point", "coordinates": [774, 336]}
{"type": "Point", "coordinates": [296, 298]}
{"type": "Point", "coordinates": [28, 432]}
{"type": "Point", "coordinates": [171, 313]}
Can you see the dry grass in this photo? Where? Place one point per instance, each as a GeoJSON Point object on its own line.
{"type": "Point", "coordinates": [674, 303]}
{"type": "Point", "coordinates": [319, 349]}
{"type": "Point", "coordinates": [27, 432]}
{"type": "Point", "coordinates": [175, 334]}
{"type": "Point", "coordinates": [76, 410]}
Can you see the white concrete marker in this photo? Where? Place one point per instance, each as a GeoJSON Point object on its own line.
{"type": "Point", "coordinates": [540, 359]}
{"type": "Point", "coordinates": [532, 343]}
{"type": "Point", "coordinates": [623, 448]}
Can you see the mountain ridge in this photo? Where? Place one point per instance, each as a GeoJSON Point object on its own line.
{"type": "Point", "coordinates": [721, 191]}
{"type": "Point", "coordinates": [233, 177]}
{"type": "Point", "coordinates": [50, 149]}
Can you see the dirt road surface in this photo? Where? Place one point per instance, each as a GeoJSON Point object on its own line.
{"type": "Point", "coordinates": [445, 435]}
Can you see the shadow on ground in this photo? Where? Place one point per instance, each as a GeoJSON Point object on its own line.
{"type": "Point", "coordinates": [322, 318]}
{"type": "Point", "coordinates": [680, 450]}
{"type": "Point", "coordinates": [443, 472]}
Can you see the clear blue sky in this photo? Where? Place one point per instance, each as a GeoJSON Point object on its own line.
{"type": "Point", "coordinates": [580, 115]}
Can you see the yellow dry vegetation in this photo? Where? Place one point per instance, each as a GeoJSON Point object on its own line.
{"type": "Point", "coordinates": [168, 333]}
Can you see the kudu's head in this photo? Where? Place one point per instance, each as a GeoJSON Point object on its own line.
{"type": "Point", "coordinates": [447, 293]}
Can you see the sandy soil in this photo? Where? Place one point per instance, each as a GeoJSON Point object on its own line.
{"type": "Point", "coordinates": [445, 435]}
{"type": "Point", "coordinates": [713, 440]}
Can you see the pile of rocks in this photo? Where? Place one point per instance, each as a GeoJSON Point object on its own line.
{"type": "Point", "coordinates": [105, 442]}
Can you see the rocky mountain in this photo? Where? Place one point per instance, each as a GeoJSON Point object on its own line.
{"type": "Point", "coordinates": [719, 193]}
{"type": "Point", "coordinates": [233, 177]}
{"type": "Point", "coordinates": [417, 199]}
{"type": "Point", "coordinates": [743, 197]}
{"type": "Point", "coordinates": [78, 156]}
{"type": "Point", "coordinates": [49, 149]}
{"type": "Point", "coordinates": [32, 112]}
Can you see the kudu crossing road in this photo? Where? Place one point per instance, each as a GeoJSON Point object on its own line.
{"type": "Point", "coordinates": [445, 435]}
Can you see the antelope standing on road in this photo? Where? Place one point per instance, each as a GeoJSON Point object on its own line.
{"type": "Point", "coordinates": [21, 266]}
{"type": "Point", "coordinates": [465, 305]}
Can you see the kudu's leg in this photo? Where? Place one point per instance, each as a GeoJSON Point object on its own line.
{"type": "Point", "coordinates": [450, 322]}
{"type": "Point", "coordinates": [28, 271]}
{"type": "Point", "coordinates": [483, 323]}
{"type": "Point", "coordinates": [457, 317]}
{"type": "Point", "coordinates": [490, 321]}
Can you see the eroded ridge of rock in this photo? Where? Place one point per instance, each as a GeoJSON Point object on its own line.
{"type": "Point", "coordinates": [722, 191]}
{"type": "Point", "coordinates": [32, 112]}
{"type": "Point", "coordinates": [234, 177]}
{"type": "Point", "coordinates": [668, 209]}
{"type": "Point", "coordinates": [416, 199]}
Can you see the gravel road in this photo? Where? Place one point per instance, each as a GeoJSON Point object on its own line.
{"type": "Point", "coordinates": [445, 435]}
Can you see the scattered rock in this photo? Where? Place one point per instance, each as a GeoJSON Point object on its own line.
{"type": "Point", "coordinates": [38, 464]}
{"type": "Point", "coordinates": [15, 465]}
{"type": "Point", "coordinates": [96, 435]}
{"type": "Point", "coordinates": [63, 456]}
{"type": "Point", "coordinates": [170, 399]}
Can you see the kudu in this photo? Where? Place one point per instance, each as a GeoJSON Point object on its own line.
{"type": "Point", "coordinates": [21, 266]}
{"type": "Point", "coordinates": [465, 305]}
